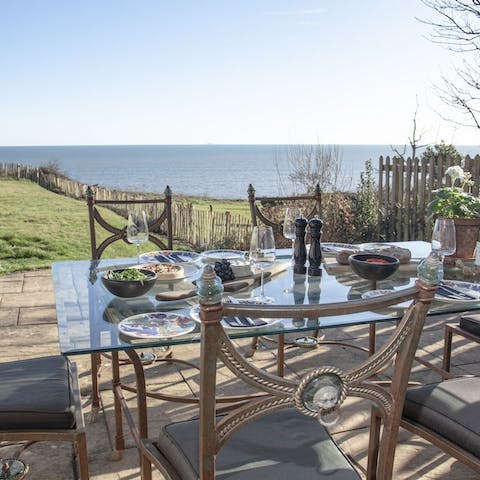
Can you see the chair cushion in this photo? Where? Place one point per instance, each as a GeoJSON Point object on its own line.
{"type": "Point", "coordinates": [35, 394]}
{"type": "Point", "coordinates": [471, 323]}
{"type": "Point", "coordinates": [281, 445]}
{"type": "Point", "coordinates": [450, 408]}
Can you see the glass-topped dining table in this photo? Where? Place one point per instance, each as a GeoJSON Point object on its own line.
{"type": "Point", "coordinates": [88, 314]}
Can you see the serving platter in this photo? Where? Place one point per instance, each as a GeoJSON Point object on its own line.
{"type": "Point", "coordinates": [161, 325]}
{"type": "Point", "coordinates": [170, 256]}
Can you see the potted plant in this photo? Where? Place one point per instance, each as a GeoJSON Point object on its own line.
{"type": "Point", "coordinates": [459, 203]}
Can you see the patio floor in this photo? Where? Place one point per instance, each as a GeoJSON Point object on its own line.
{"type": "Point", "coordinates": [27, 313]}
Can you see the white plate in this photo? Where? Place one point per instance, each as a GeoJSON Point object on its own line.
{"type": "Point", "coordinates": [472, 289]}
{"type": "Point", "coordinates": [189, 270]}
{"type": "Point", "coordinates": [211, 256]}
{"type": "Point", "coordinates": [337, 247]}
{"type": "Point", "coordinates": [172, 256]}
{"type": "Point", "coordinates": [156, 325]}
{"type": "Point", "coordinates": [195, 315]}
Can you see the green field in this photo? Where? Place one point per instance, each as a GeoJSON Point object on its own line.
{"type": "Point", "coordinates": [39, 226]}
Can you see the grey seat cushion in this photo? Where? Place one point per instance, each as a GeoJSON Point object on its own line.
{"type": "Point", "coordinates": [450, 408]}
{"type": "Point", "coordinates": [471, 323]}
{"type": "Point", "coordinates": [281, 445]}
{"type": "Point", "coordinates": [36, 394]}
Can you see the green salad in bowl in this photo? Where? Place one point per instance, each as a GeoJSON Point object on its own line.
{"type": "Point", "coordinates": [129, 282]}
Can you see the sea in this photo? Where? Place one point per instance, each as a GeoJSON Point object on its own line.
{"type": "Point", "coordinates": [216, 171]}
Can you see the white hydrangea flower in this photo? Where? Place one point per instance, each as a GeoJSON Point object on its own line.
{"type": "Point", "coordinates": [456, 172]}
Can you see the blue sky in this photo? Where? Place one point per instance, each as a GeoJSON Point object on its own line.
{"type": "Point", "coordinates": [231, 71]}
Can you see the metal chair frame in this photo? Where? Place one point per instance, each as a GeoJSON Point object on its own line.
{"type": "Point", "coordinates": [257, 214]}
{"type": "Point", "coordinates": [277, 392]}
{"type": "Point", "coordinates": [120, 234]}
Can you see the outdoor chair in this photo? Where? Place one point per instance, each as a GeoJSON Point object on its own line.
{"type": "Point", "coordinates": [468, 327]}
{"type": "Point", "coordinates": [40, 401]}
{"type": "Point", "coordinates": [159, 217]}
{"type": "Point", "coordinates": [445, 414]}
{"type": "Point", "coordinates": [159, 214]}
{"type": "Point", "coordinates": [274, 433]}
{"type": "Point", "coordinates": [270, 211]}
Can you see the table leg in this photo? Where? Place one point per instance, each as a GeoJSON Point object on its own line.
{"type": "Point", "coordinates": [447, 348]}
{"type": "Point", "coordinates": [96, 361]}
{"type": "Point", "coordinates": [371, 339]}
{"type": "Point", "coordinates": [116, 385]}
{"type": "Point", "coordinates": [281, 355]}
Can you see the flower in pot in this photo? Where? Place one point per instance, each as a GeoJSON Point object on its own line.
{"type": "Point", "coordinates": [459, 203]}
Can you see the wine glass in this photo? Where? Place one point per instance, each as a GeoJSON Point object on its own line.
{"type": "Point", "coordinates": [262, 254]}
{"type": "Point", "coordinates": [291, 213]}
{"type": "Point", "coordinates": [443, 237]}
{"type": "Point", "coordinates": [137, 229]}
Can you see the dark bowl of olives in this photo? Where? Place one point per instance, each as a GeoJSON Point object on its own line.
{"type": "Point", "coordinates": [129, 282]}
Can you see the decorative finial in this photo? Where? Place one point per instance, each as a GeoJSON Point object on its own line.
{"type": "Point", "coordinates": [209, 287]}
{"type": "Point", "coordinates": [430, 270]}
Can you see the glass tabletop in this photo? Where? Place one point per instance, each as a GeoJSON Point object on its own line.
{"type": "Point", "coordinates": [89, 316]}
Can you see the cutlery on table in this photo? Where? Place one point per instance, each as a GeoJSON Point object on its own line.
{"type": "Point", "coordinates": [242, 321]}
{"type": "Point", "coordinates": [450, 292]}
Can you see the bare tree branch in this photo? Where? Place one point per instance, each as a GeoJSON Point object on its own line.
{"type": "Point", "coordinates": [414, 139]}
{"type": "Point", "coordinates": [458, 29]}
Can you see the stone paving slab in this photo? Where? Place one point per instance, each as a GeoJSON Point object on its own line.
{"type": "Point", "coordinates": [27, 313]}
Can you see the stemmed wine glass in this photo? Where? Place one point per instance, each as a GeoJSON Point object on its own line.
{"type": "Point", "coordinates": [262, 254]}
{"type": "Point", "coordinates": [137, 229]}
{"type": "Point", "coordinates": [291, 213]}
{"type": "Point", "coordinates": [443, 237]}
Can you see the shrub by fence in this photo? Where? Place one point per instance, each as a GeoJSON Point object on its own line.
{"type": "Point", "coordinates": [406, 187]}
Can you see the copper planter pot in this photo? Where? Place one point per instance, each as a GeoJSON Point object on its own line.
{"type": "Point", "coordinates": [466, 237]}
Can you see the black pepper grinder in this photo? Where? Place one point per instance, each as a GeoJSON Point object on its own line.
{"type": "Point", "coordinates": [300, 250]}
{"type": "Point", "coordinates": [315, 253]}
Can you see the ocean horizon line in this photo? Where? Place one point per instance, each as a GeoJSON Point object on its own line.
{"type": "Point", "coordinates": [216, 171]}
{"type": "Point", "coordinates": [230, 145]}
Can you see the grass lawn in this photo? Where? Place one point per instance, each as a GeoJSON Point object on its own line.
{"type": "Point", "coordinates": [39, 227]}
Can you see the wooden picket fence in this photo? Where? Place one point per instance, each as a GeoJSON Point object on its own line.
{"type": "Point", "coordinates": [405, 188]}
{"type": "Point", "coordinates": [201, 229]}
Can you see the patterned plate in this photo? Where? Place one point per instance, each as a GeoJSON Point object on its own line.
{"type": "Point", "coordinates": [156, 325]}
{"type": "Point", "coordinates": [467, 288]}
{"type": "Point", "coordinates": [375, 293]}
{"type": "Point", "coordinates": [172, 256]}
